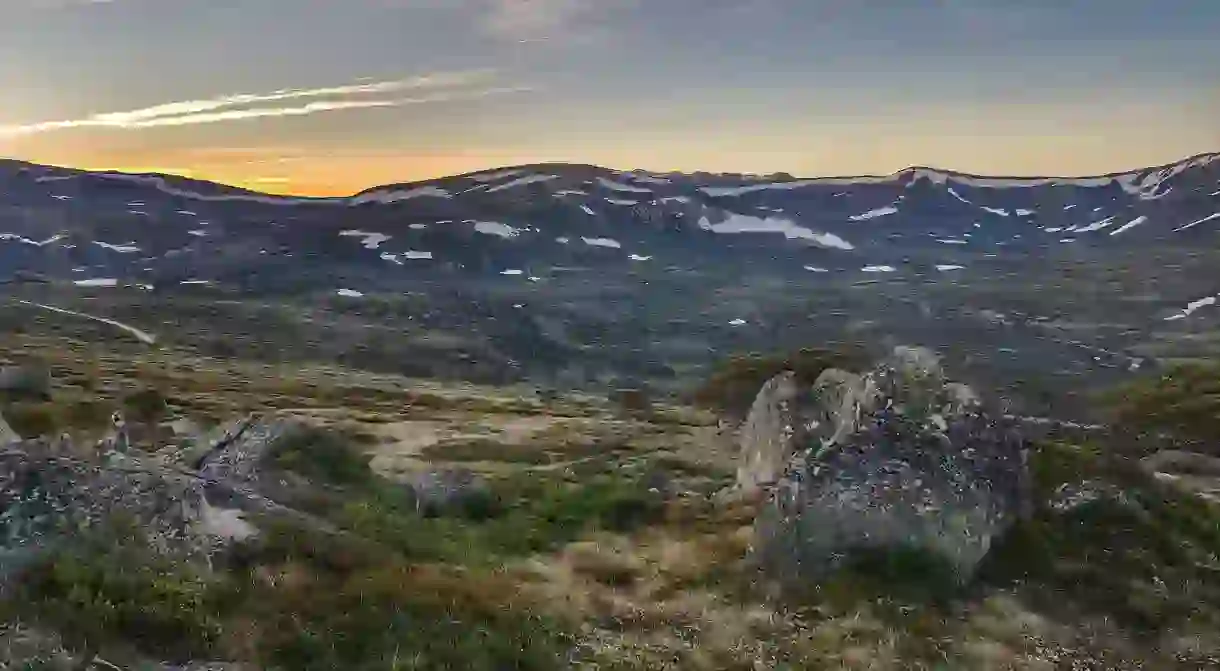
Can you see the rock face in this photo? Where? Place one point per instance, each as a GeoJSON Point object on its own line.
{"type": "Point", "coordinates": [895, 459]}
{"type": "Point", "coordinates": [48, 496]}
{"type": "Point", "coordinates": [7, 435]}
{"type": "Point", "coordinates": [768, 436]}
{"type": "Point", "coordinates": [441, 491]}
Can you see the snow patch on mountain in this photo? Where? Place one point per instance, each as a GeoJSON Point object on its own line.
{"type": "Point", "coordinates": [750, 188]}
{"type": "Point", "coordinates": [511, 271]}
{"type": "Point", "coordinates": [1096, 226]}
{"type": "Point", "coordinates": [619, 186]}
{"type": "Point", "coordinates": [873, 214]}
{"type": "Point", "coordinates": [1192, 307]}
{"type": "Point", "coordinates": [387, 196]}
{"type": "Point", "coordinates": [142, 336]}
{"type": "Point", "coordinates": [947, 241]}
{"type": "Point", "coordinates": [959, 196]}
{"type": "Point", "coordinates": [742, 223]}
{"type": "Point", "coordinates": [26, 241]}
{"type": "Point", "coordinates": [588, 210]}
{"type": "Point", "coordinates": [637, 257]}
{"type": "Point", "coordinates": [619, 201]}
{"type": "Point", "coordinates": [522, 181]}
{"type": "Point", "coordinates": [122, 249]}
{"type": "Point", "coordinates": [495, 176]}
{"type": "Point", "coordinates": [97, 282]}
{"type": "Point", "coordinates": [1196, 223]}
{"type": "Point", "coordinates": [368, 240]}
{"type": "Point", "coordinates": [815, 269]}
{"type": "Point", "coordinates": [879, 269]}
{"type": "Point", "coordinates": [1129, 225]}
{"type": "Point", "coordinates": [602, 242]}
{"type": "Point", "coordinates": [349, 293]}
{"type": "Point", "coordinates": [496, 228]}
{"type": "Point", "coordinates": [995, 210]}
{"type": "Point", "coordinates": [946, 267]}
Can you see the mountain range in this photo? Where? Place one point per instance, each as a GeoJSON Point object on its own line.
{"type": "Point", "coordinates": [1107, 271]}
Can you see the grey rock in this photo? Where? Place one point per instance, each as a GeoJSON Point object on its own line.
{"type": "Point", "coordinates": [449, 490]}
{"type": "Point", "coordinates": [7, 435]}
{"type": "Point", "coordinates": [896, 458]}
{"type": "Point", "coordinates": [840, 400]}
{"type": "Point", "coordinates": [25, 382]}
{"type": "Point", "coordinates": [47, 498]}
{"type": "Point", "coordinates": [766, 439]}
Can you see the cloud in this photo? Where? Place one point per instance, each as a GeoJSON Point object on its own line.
{"type": "Point", "coordinates": [229, 108]}
{"type": "Point", "coordinates": [536, 20]}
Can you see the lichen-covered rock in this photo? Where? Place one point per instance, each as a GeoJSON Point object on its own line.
{"type": "Point", "coordinates": [896, 459]}
{"type": "Point", "coordinates": [767, 437]}
{"type": "Point", "coordinates": [47, 498]}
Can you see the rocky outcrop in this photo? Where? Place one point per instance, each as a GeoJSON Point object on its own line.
{"type": "Point", "coordinates": [449, 490]}
{"type": "Point", "coordinates": [7, 434]}
{"type": "Point", "coordinates": [768, 435]}
{"type": "Point", "coordinates": [894, 459]}
{"type": "Point", "coordinates": [48, 496]}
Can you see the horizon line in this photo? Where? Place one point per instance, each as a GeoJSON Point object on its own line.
{"type": "Point", "coordinates": [104, 171]}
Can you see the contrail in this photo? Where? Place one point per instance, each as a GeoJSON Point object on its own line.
{"type": "Point", "coordinates": [216, 109]}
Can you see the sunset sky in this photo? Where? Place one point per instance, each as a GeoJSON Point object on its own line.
{"type": "Point", "coordinates": [333, 96]}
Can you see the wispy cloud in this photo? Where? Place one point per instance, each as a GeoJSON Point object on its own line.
{"type": "Point", "coordinates": [536, 20]}
{"type": "Point", "coordinates": [251, 105]}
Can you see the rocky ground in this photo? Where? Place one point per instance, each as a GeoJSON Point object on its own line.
{"type": "Point", "coordinates": [248, 515]}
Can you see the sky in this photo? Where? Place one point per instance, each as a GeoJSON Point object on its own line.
{"type": "Point", "coordinates": [328, 97]}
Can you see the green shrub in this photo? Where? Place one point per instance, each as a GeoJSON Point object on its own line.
{"type": "Point", "coordinates": [1146, 561]}
{"type": "Point", "coordinates": [1183, 402]}
{"type": "Point", "coordinates": [147, 405]}
{"type": "Point", "coordinates": [33, 420]}
{"type": "Point", "coordinates": [322, 456]}
{"type": "Point", "coordinates": [121, 597]}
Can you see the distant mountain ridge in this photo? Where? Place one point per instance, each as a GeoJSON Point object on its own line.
{"type": "Point", "coordinates": [913, 172]}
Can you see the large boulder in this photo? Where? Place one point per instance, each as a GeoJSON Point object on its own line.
{"type": "Point", "coordinates": [896, 459]}
{"type": "Point", "coordinates": [768, 435]}
{"type": "Point", "coordinates": [48, 498]}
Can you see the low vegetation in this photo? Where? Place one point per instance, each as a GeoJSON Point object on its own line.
{"type": "Point", "coordinates": [732, 387]}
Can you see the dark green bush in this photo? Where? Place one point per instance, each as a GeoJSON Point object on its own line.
{"type": "Point", "coordinates": [1146, 560]}
{"type": "Point", "coordinates": [1183, 402]}
{"type": "Point", "coordinates": [734, 384]}
{"type": "Point", "coordinates": [322, 456]}
{"type": "Point", "coordinates": [146, 405]}
{"type": "Point", "coordinates": [33, 420]}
